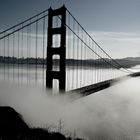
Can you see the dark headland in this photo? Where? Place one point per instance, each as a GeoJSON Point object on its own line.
{"type": "Point", "coordinates": [13, 127]}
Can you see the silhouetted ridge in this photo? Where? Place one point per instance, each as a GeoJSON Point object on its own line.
{"type": "Point", "coordinates": [12, 127]}
{"type": "Point", "coordinates": [11, 122]}
{"type": "Point", "coordinates": [125, 62]}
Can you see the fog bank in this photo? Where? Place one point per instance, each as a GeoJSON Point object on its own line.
{"type": "Point", "coordinates": [108, 113]}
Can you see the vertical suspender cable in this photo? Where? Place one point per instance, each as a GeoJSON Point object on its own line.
{"type": "Point", "coordinates": [81, 79]}
{"type": "Point", "coordinates": [85, 63]}
{"type": "Point", "coordinates": [77, 56]}
{"type": "Point", "coordinates": [18, 55]}
{"type": "Point", "coordinates": [36, 50]}
{"type": "Point", "coordinates": [13, 55]}
{"type": "Point", "coordinates": [110, 69]}
{"type": "Point", "coordinates": [27, 54]}
{"type": "Point", "coordinates": [8, 55]}
{"type": "Point", "coordinates": [98, 70]}
{"type": "Point", "coordinates": [73, 56]}
{"type": "Point", "coordinates": [86, 53]}
{"type": "Point", "coordinates": [92, 63]}
{"type": "Point", "coordinates": [96, 62]}
{"type": "Point", "coordinates": [68, 49]}
{"type": "Point", "coordinates": [43, 84]}
{"type": "Point", "coordinates": [80, 60]}
{"type": "Point", "coordinates": [22, 55]}
{"type": "Point", "coordinates": [4, 56]}
{"type": "Point", "coordinates": [101, 66]}
{"type": "Point", "coordinates": [98, 67]}
{"type": "Point", "coordinates": [29, 61]}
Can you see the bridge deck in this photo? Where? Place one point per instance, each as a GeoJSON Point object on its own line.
{"type": "Point", "coordinates": [87, 90]}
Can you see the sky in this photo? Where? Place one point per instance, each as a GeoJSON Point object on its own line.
{"type": "Point", "coordinates": [114, 24]}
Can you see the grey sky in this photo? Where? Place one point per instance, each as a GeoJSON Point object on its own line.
{"type": "Point", "coordinates": [100, 15]}
{"type": "Point", "coordinates": [97, 16]}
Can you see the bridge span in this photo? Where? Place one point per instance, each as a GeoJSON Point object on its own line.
{"type": "Point", "coordinates": [90, 89]}
{"type": "Point", "coordinates": [52, 46]}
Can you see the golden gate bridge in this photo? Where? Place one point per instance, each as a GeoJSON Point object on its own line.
{"type": "Point", "coordinates": [54, 45]}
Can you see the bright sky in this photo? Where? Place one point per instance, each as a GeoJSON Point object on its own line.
{"type": "Point", "coordinates": [114, 24]}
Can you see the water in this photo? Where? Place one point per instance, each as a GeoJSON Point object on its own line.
{"type": "Point", "coordinates": [75, 78]}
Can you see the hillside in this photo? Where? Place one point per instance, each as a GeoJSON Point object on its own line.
{"type": "Point", "coordinates": [125, 62]}
{"type": "Point", "coordinates": [12, 127]}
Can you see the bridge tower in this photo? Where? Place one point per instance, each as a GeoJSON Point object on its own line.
{"type": "Point", "coordinates": [52, 50]}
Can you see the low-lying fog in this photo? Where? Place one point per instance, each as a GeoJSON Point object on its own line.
{"type": "Point", "coordinates": [112, 112]}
